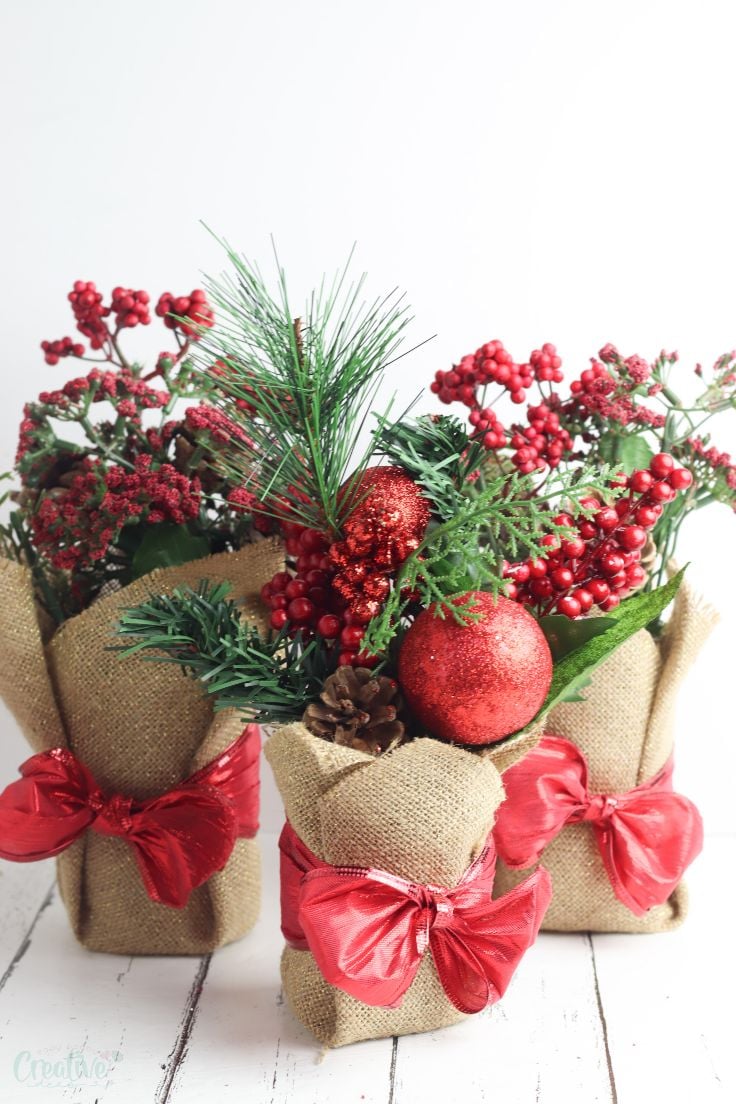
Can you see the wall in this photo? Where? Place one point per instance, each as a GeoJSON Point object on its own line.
{"type": "Point", "coordinates": [533, 171]}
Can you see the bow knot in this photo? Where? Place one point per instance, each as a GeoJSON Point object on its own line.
{"type": "Point", "coordinates": [179, 839]}
{"type": "Point", "coordinates": [600, 809]}
{"type": "Point", "coordinates": [647, 837]}
{"type": "Point", "coordinates": [440, 907]}
{"type": "Point", "coordinates": [368, 929]}
{"type": "Point", "coordinates": [112, 814]}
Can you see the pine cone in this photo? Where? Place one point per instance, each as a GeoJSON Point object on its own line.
{"type": "Point", "coordinates": [359, 710]}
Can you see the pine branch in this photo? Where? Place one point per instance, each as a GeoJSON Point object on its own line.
{"type": "Point", "coordinates": [311, 383]}
{"type": "Point", "coordinates": [266, 679]}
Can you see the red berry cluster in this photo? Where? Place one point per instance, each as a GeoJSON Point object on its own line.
{"type": "Point", "coordinates": [64, 347]}
{"type": "Point", "coordinates": [600, 564]}
{"type": "Point", "coordinates": [130, 307]}
{"type": "Point", "coordinates": [306, 601]}
{"type": "Point", "coordinates": [76, 528]}
{"type": "Point", "coordinates": [542, 443]}
{"type": "Point", "coordinates": [488, 427]}
{"type": "Point", "coordinates": [89, 312]}
{"type": "Point", "coordinates": [491, 363]}
{"type": "Point", "coordinates": [547, 365]}
{"type": "Point", "coordinates": [193, 308]}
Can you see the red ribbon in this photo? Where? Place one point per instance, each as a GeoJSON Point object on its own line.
{"type": "Point", "coordinates": [368, 929]}
{"type": "Point", "coordinates": [179, 839]}
{"type": "Point", "coordinates": [647, 837]}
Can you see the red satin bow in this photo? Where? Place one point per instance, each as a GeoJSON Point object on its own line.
{"type": "Point", "coordinates": [369, 929]}
{"type": "Point", "coordinates": [179, 839]}
{"type": "Point", "coordinates": [647, 837]}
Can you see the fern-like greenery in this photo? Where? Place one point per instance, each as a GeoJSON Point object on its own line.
{"type": "Point", "coordinates": [483, 514]}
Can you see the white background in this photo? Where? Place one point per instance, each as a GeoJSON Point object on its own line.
{"type": "Point", "coordinates": [536, 171]}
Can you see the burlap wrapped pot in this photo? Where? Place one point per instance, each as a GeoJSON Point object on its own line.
{"type": "Point", "coordinates": [422, 811]}
{"type": "Point", "coordinates": [141, 728]}
{"type": "Point", "coordinates": [624, 728]}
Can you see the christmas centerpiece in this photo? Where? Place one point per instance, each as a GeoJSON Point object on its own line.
{"type": "Point", "coordinates": [399, 672]}
{"type": "Point", "coordinates": [134, 776]}
{"type": "Point", "coordinates": [594, 799]}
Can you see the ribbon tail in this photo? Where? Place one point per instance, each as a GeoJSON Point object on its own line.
{"type": "Point", "coordinates": [45, 811]}
{"type": "Point", "coordinates": [647, 845]}
{"type": "Point", "coordinates": [477, 956]}
{"type": "Point", "coordinates": [236, 774]}
{"type": "Point", "coordinates": [361, 933]}
{"type": "Point", "coordinates": [179, 841]}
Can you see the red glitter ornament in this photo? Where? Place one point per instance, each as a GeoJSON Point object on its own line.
{"type": "Point", "coordinates": [390, 517]}
{"type": "Point", "coordinates": [387, 524]}
{"type": "Point", "coordinates": [478, 682]}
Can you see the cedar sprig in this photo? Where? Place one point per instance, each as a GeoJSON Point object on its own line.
{"type": "Point", "coordinates": [309, 384]}
{"type": "Point", "coordinates": [497, 517]}
{"type": "Point", "coordinates": [266, 678]}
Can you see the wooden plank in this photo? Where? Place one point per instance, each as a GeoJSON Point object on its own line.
{"type": "Point", "coordinates": [25, 892]}
{"type": "Point", "coordinates": [666, 998]}
{"type": "Point", "coordinates": [85, 1027]}
{"type": "Point", "coordinates": [543, 1042]}
{"type": "Point", "coordinates": [245, 1044]}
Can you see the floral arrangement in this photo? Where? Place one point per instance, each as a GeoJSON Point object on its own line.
{"type": "Point", "coordinates": [115, 478]}
{"type": "Point", "coordinates": [408, 572]}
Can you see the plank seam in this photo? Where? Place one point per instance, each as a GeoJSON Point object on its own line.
{"type": "Point", "coordinates": [26, 941]}
{"type": "Point", "coordinates": [179, 1050]}
{"type": "Point", "coordinates": [602, 1017]}
{"type": "Point", "coordinates": [392, 1069]}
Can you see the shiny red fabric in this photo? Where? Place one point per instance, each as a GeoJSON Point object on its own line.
{"type": "Point", "coordinates": [368, 929]}
{"type": "Point", "coordinates": [647, 837]}
{"type": "Point", "coordinates": [179, 839]}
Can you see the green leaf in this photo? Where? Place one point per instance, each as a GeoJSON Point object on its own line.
{"type": "Point", "coordinates": [573, 671]}
{"type": "Point", "coordinates": [167, 545]}
{"type": "Point", "coordinates": [564, 635]}
{"type": "Point", "coordinates": [633, 453]}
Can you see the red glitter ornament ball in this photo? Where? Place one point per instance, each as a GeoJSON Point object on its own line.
{"type": "Point", "coordinates": [477, 682]}
{"type": "Point", "coordinates": [390, 517]}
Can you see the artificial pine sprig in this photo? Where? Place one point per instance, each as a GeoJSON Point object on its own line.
{"type": "Point", "coordinates": [303, 387]}
{"type": "Point", "coordinates": [266, 678]}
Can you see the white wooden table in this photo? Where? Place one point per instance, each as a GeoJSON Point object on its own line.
{"type": "Point", "coordinates": [624, 1019]}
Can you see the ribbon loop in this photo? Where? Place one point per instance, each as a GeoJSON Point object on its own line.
{"type": "Point", "coordinates": [179, 839]}
{"type": "Point", "coordinates": [646, 838]}
{"type": "Point", "coordinates": [368, 929]}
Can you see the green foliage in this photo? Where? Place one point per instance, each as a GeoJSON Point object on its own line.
{"type": "Point", "coordinates": [167, 545]}
{"type": "Point", "coordinates": [633, 452]}
{"type": "Point", "coordinates": [499, 515]}
{"type": "Point", "coordinates": [565, 635]}
{"type": "Point", "coordinates": [309, 383]}
{"type": "Point", "coordinates": [266, 679]}
{"type": "Point", "coordinates": [572, 672]}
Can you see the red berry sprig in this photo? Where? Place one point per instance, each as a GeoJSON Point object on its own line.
{"type": "Point", "coordinates": [63, 347]}
{"type": "Point", "coordinates": [600, 564]}
{"type": "Point", "coordinates": [191, 314]}
{"type": "Point", "coordinates": [130, 307]}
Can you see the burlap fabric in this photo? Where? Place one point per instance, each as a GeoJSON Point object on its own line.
{"type": "Point", "coordinates": [422, 811]}
{"type": "Point", "coordinates": [141, 727]}
{"type": "Point", "coordinates": [625, 730]}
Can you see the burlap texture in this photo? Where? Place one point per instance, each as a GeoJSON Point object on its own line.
{"type": "Point", "coordinates": [422, 811]}
{"type": "Point", "coordinates": [625, 730]}
{"type": "Point", "coordinates": [141, 727]}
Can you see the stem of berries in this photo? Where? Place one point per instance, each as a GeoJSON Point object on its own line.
{"type": "Point", "coordinates": [599, 564]}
